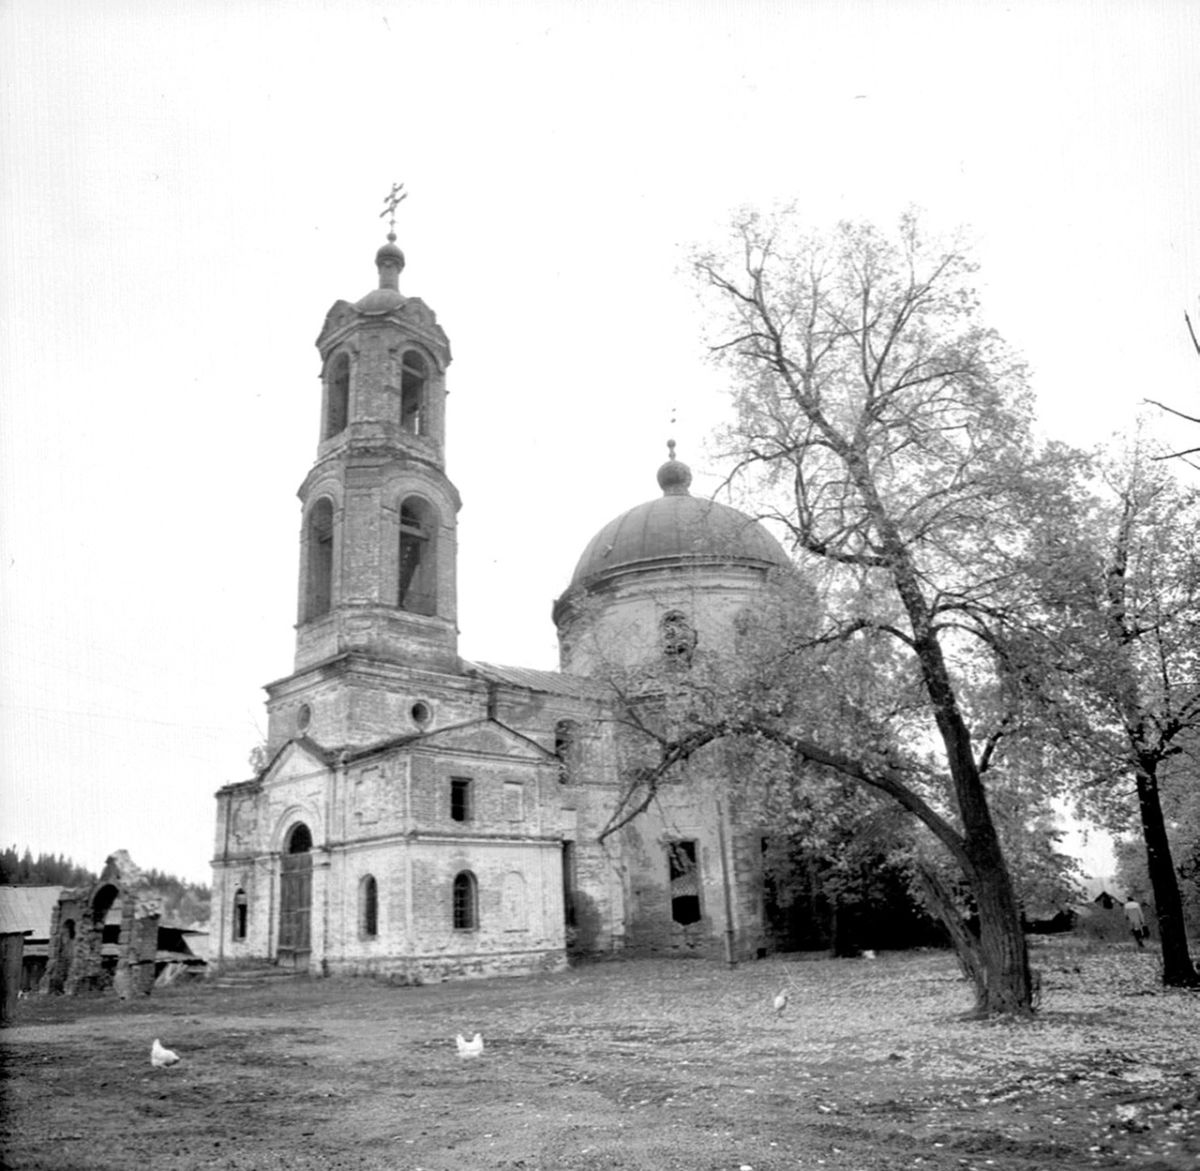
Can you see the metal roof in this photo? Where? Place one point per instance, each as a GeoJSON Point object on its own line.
{"type": "Point", "coordinates": [677, 529]}
{"type": "Point", "coordinates": [28, 908]}
{"type": "Point", "coordinates": [551, 682]}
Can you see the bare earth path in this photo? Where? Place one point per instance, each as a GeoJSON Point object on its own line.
{"type": "Point", "coordinates": [645, 1064]}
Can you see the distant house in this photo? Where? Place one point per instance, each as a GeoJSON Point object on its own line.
{"type": "Point", "coordinates": [27, 911]}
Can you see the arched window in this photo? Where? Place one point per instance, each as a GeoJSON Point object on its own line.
{"type": "Point", "coordinates": [299, 840]}
{"type": "Point", "coordinates": [240, 912]}
{"type": "Point", "coordinates": [418, 569]}
{"type": "Point", "coordinates": [337, 396]}
{"type": "Point", "coordinates": [684, 877]}
{"type": "Point", "coordinates": [368, 907]}
{"type": "Point", "coordinates": [414, 377]}
{"type": "Point", "coordinates": [466, 901]}
{"type": "Point", "coordinates": [102, 903]}
{"type": "Point", "coordinates": [678, 638]}
{"type": "Point", "coordinates": [318, 598]}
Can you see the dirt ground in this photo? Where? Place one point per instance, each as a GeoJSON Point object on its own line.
{"type": "Point", "coordinates": [641, 1064]}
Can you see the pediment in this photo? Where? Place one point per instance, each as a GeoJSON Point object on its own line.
{"type": "Point", "coordinates": [486, 739]}
{"type": "Point", "coordinates": [297, 758]}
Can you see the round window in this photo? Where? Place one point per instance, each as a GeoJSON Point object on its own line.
{"type": "Point", "coordinates": [303, 717]}
{"type": "Point", "coordinates": [421, 715]}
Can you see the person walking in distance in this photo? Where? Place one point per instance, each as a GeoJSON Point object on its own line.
{"type": "Point", "coordinates": [1137, 921]}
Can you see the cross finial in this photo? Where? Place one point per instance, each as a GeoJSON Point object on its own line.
{"type": "Point", "coordinates": [393, 200]}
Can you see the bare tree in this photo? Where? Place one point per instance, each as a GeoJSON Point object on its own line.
{"type": "Point", "coordinates": [1187, 451]}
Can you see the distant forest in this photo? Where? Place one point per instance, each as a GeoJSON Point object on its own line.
{"type": "Point", "coordinates": [183, 902]}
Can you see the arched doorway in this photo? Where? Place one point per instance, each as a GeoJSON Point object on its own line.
{"type": "Point", "coordinates": [295, 899]}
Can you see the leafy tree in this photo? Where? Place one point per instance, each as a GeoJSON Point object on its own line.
{"type": "Point", "coordinates": [1181, 810]}
{"type": "Point", "coordinates": [1126, 591]}
{"type": "Point", "coordinates": [890, 434]}
{"type": "Point", "coordinates": [837, 874]}
{"type": "Point", "coordinates": [183, 901]}
{"type": "Point", "coordinates": [258, 757]}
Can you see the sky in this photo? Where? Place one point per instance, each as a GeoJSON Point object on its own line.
{"type": "Point", "coordinates": [187, 188]}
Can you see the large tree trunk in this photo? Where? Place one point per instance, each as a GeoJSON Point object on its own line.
{"type": "Point", "coordinates": [1004, 956]}
{"type": "Point", "coordinates": [941, 902]}
{"type": "Point", "coordinates": [1001, 936]}
{"type": "Point", "coordinates": [1001, 933]}
{"type": "Point", "coordinates": [1178, 970]}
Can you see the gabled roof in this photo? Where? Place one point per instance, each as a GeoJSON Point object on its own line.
{"type": "Point", "coordinates": [550, 682]}
{"type": "Point", "coordinates": [452, 732]}
{"type": "Point", "coordinates": [303, 744]}
{"type": "Point", "coordinates": [28, 908]}
{"type": "Point", "coordinates": [496, 728]}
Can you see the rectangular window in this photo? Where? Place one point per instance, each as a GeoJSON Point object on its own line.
{"type": "Point", "coordinates": [461, 803]}
{"type": "Point", "coordinates": [514, 801]}
{"type": "Point", "coordinates": [568, 877]}
{"type": "Point", "coordinates": [684, 876]}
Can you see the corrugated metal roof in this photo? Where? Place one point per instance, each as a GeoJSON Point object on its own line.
{"type": "Point", "coordinates": [28, 908]}
{"type": "Point", "coordinates": [552, 682]}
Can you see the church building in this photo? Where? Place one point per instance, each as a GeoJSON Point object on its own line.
{"type": "Point", "coordinates": [424, 817]}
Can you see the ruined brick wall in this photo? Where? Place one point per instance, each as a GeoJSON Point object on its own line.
{"type": "Point", "coordinates": [65, 922]}
{"type": "Point", "coordinates": [106, 935]}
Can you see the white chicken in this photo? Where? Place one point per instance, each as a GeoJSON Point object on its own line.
{"type": "Point", "coordinates": [471, 1048]}
{"type": "Point", "coordinates": [781, 1002]}
{"type": "Point", "coordinates": [161, 1056]}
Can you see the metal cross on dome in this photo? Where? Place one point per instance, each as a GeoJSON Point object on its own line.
{"type": "Point", "coordinates": [391, 201]}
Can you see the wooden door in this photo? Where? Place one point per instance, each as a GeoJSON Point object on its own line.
{"type": "Point", "coordinates": [295, 901]}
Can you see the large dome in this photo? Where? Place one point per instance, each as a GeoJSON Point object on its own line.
{"type": "Point", "coordinates": [676, 528]}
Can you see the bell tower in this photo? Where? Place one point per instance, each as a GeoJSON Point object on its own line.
{"type": "Point", "coordinates": [377, 539]}
{"type": "Point", "coordinates": [376, 597]}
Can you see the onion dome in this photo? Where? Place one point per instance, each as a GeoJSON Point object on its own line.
{"type": "Point", "coordinates": [389, 260]}
{"type": "Point", "coordinates": [674, 477]}
{"type": "Point", "coordinates": [677, 529]}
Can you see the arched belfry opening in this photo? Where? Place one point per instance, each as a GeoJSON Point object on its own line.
{"type": "Point", "coordinates": [417, 591]}
{"type": "Point", "coordinates": [318, 586]}
{"type": "Point", "coordinates": [414, 388]}
{"type": "Point", "coordinates": [337, 396]}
